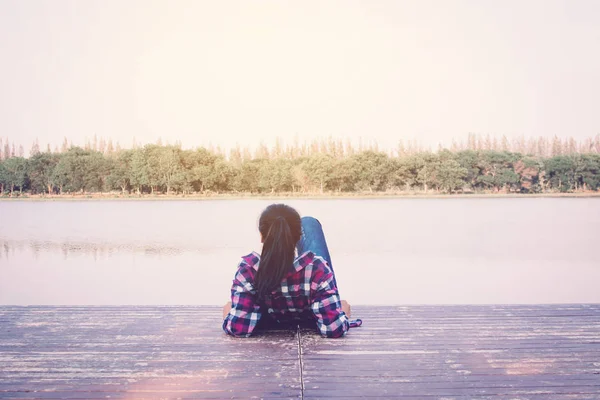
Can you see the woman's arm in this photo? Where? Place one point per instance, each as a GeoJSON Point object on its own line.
{"type": "Point", "coordinates": [332, 321]}
{"type": "Point", "coordinates": [244, 313]}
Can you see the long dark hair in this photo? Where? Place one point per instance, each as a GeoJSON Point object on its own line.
{"type": "Point", "coordinates": [281, 229]}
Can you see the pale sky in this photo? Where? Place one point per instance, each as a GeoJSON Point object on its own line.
{"type": "Point", "coordinates": [229, 71]}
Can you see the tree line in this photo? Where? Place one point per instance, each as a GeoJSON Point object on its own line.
{"type": "Point", "coordinates": [317, 167]}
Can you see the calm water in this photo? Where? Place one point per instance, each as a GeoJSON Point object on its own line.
{"type": "Point", "coordinates": [402, 251]}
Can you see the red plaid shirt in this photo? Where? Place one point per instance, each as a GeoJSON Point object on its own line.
{"type": "Point", "coordinates": [308, 291]}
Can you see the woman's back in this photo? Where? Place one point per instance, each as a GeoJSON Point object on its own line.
{"type": "Point", "coordinates": [307, 292]}
{"type": "Point", "coordinates": [279, 287]}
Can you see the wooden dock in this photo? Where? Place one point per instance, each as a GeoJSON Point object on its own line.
{"type": "Point", "coordinates": [547, 352]}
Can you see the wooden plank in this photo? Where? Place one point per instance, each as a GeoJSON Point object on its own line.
{"type": "Point", "coordinates": [498, 352]}
{"type": "Point", "coordinates": [459, 352]}
{"type": "Point", "coordinates": [140, 352]}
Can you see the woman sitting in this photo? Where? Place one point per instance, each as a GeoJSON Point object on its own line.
{"type": "Point", "coordinates": [280, 288]}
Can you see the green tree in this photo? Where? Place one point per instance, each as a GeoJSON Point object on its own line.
{"type": "Point", "coordinates": [407, 172]}
{"type": "Point", "coordinates": [223, 173]}
{"type": "Point", "coordinates": [319, 168]}
{"type": "Point", "coordinates": [588, 171]}
{"type": "Point", "coordinates": [451, 176]}
{"type": "Point", "coordinates": [300, 178]}
{"type": "Point", "coordinates": [275, 175]}
{"type": "Point", "coordinates": [330, 167]}
{"type": "Point", "coordinates": [119, 170]}
{"type": "Point", "coordinates": [153, 156]}
{"type": "Point", "coordinates": [469, 160]}
{"type": "Point", "coordinates": [427, 173]}
{"type": "Point", "coordinates": [372, 170]}
{"type": "Point", "coordinates": [342, 178]}
{"type": "Point", "coordinates": [169, 167]}
{"type": "Point", "coordinates": [401, 177]}
{"type": "Point", "coordinates": [205, 170]}
{"type": "Point", "coordinates": [528, 171]}
{"type": "Point", "coordinates": [497, 170]}
{"type": "Point", "coordinates": [14, 174]}
{"type": "Point", "coordinates": [246, 178]}
{"type": "Point", "coordinates": [2, 175]}
{"type": "Point", "coordinates": [139, 171]}
{"type": "Point", "coordinates": [40, 169]}
{"type": "Point", "coordinates": [60, 174]}
{"type": "Point", "coordinates": [561, 172]}
{"type": "Point", "coordinates": [80, 170]}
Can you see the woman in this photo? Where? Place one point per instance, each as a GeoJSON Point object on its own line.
{"type": "Point", "coordinates": [278, 288]}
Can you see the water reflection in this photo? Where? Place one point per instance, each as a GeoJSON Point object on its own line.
{"type": "Point", "coordinates": [80, 273]}
{"type": "Point", "coordinates": [384, 251]}
{"type": "Point", "coordinates": [95, 250]}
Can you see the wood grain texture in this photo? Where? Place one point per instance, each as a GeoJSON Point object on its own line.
{"type": "Point", "coordinates": [460, 352]}
{"type": "Point", "coordinates": [139, 352]}
{"type": "Point", "coordinates": [410, 352]}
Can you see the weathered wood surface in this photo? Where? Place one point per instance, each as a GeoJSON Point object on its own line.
{"type": "Point", "coordinates": [461, 352]}
{"type": "Point", "coordinates": [139, 352]}
{"type": "Point", "coordinates": [413, 352]}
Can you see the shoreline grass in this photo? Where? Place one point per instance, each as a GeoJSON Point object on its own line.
{"type": "Point", "coordinates": [290, 196]}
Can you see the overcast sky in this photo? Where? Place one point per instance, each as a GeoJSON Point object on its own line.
{"type": "Point", "coordinates": [227, 72]}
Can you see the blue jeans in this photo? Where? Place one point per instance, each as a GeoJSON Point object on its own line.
{"type": "Point", "coordinates": [313, 239]}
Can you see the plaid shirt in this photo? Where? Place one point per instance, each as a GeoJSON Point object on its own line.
{"type": "Point", "coordinates": [308, 291]}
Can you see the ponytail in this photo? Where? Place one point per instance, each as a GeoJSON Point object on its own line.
{"type": "Point", "coordinates": [276, 258]}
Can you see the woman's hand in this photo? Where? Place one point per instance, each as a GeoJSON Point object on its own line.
{"type": "Point", "coordinates": [226, 309]}
{"type": "Point", "coordinates": [346, 308]}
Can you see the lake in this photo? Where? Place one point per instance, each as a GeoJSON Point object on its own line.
{"type": "Point", "coordinates": [384, 251]}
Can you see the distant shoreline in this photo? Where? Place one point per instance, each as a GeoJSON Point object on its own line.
{"type": "Point", "coordinates": [291, 196]}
